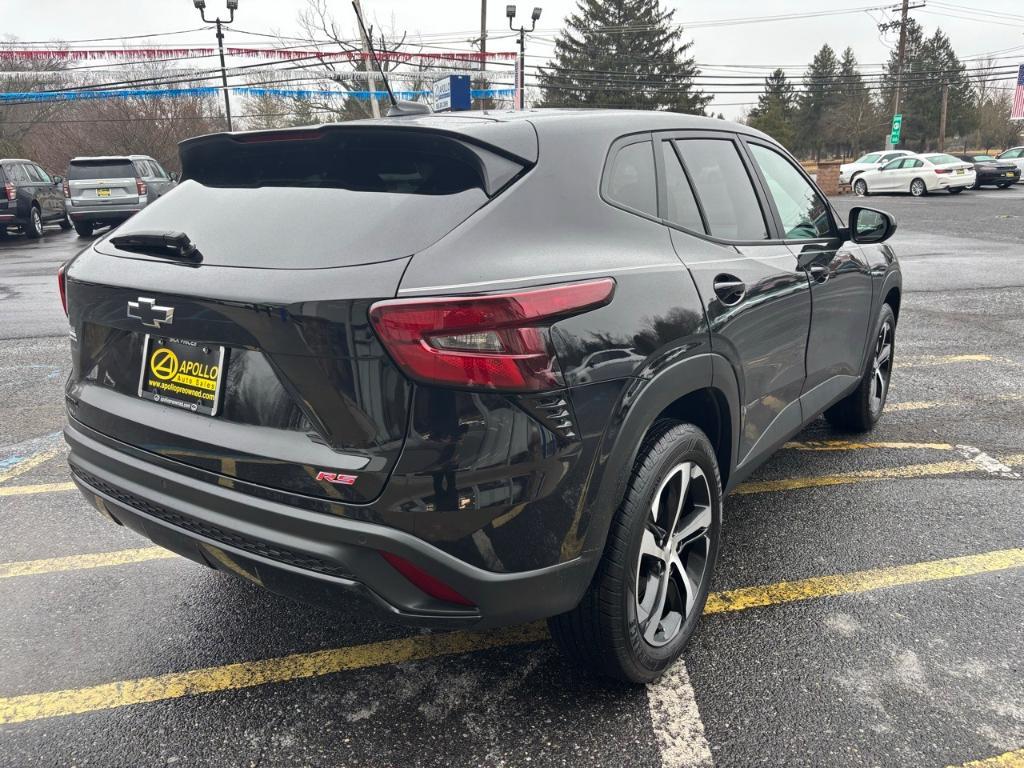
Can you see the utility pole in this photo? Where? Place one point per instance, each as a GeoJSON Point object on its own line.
{"type": "Point", "coordinates": [483, 34]}
{"type": "Point", "coordinates": [900, 53]}
{"type": "Point", "coordinates": [371, 81]}
{"type": "Point", "coordinates": [510, 11]}
{"type": "Point", "coordinates": [942, 120]}
{"type": "Point", "coordinates": [232, 7]}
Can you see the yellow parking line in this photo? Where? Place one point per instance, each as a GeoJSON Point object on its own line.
{"type": "Point", "coordinates": [913, 405]}
{"type": "Point", "coordinates": [849, 445]}
{"type": "Point", "coordinates": [1013, 759]}
{"type": "Point", "coordinates": [22, 490]}
{"type": "Point", "coordinates": [30, 463]}
{"type": "Point", "coordinates": [81, 562]}
{"type": "Point", "coordinates": [909, 471]}
{"type": "Point", "coordinates": [247, 674]}
{"type": "Point", "coordinates": [862, 581]}
{"type": "Point", "coordinates": [1014, 460]}
{"type": "Point", "coordinates": [917, 361]}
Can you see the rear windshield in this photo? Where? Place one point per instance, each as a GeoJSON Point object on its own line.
{"type": "Point", "coordinates": [943, 159]}
{"type": "Point", "coordinates": [100, 169]}
{"type": "Point", "coordinates": [377, 161]}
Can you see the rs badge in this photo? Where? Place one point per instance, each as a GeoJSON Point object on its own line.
{"type": "Point", "coordinates": [334, 477]}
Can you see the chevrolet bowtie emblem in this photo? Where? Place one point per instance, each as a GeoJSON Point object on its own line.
{"type": "Point", "coordinates": [147, 311]}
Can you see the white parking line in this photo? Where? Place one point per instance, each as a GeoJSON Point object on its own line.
{"type": "Point", "coordinates": [988, 463]}
{"type": "Point", "coordinates": [678, 727]}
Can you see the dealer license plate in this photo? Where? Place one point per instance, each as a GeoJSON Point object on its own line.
{"type": "Point", "coordinates": [959, 171]}
{"type": "Point", "coordinates": [182, 374]}
{"type": "Point", "coordinates": [102, 193]}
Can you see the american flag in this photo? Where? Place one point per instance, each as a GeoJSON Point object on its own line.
{"type": "Point", "coordinates": [1017, 113]}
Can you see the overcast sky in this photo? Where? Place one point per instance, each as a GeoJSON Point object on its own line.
{"type": "Point", "coordinates": [787, 42]}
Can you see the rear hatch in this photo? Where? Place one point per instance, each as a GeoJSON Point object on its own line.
{"type": "Point", "coordinates": [255, 359]}
{"type": "Point", "coordinates": [103, 181]}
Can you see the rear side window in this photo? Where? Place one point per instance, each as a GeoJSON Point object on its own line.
{"type": "Point", "coordinates": [85, 170]}
{"type": "Point", "coordinates": [630, 180]}
{"type": "Point", "coordinates": [802, 211]}
{"type": "Point", "coordinates": [16, 172]}
{"type": "Point", "coordinates": [872, 158]}
{"type": "Point", "coordinates": [682, 205]}
{"type": "Point", "coordinates": [724, 188]}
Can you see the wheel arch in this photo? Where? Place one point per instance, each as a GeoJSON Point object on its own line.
{"type": "Point", "coordinates": [700, 390]}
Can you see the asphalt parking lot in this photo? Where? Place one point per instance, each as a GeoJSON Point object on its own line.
{"type": "Point", "coordinates": [868, 608]}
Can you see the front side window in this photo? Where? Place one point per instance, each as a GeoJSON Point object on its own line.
{"type": "Point", "coordinates": [892, 166]}
{"type": "Point", "coordinates": [682, 205]}
{"type": "Point", "coordinates": [43, 175]}
{"type": "Point", "coordinates": [803, 212]}
{"type": "Point", "coordinates": [631, 180]}
{"type": "Point", "coordinates": [892, 156]}
{"type": "Point", "coordinates": [1011, 153]}
{"type": "Point", "coordinates": [724, 189]}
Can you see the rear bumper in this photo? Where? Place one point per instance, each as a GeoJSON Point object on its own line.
{"type": "Point", "coordinates": [998, 178]}
{"type": "Point", "coordinates": [99, 213]}
{"type": "Point", "coordinates": [953, 182]}
{"type": "Point", "coordinates": [311, 556]}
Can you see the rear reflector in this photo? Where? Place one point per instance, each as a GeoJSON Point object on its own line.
{"type": "Point", "coordinates": [62, 287]}
{"type": "Point", "coordinates": [496, 341]}
{"type": "Point", "coordinates": [424, 581]}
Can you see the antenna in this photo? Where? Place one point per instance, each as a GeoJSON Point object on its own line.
{"type": "Point", "coordinates": [373, 56]}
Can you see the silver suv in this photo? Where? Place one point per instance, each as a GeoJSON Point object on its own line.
{"type": "Point", "coordinates": [107, 190]}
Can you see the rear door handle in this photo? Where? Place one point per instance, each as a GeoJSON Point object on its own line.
{"type": "Point", "coordinates": [819, 273]}
{"type": "Point", "coordinates": [730, 289]}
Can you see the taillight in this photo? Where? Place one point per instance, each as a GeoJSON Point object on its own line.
{"type": "Point", "coordinates": [424, 581]}
{"type": "Point", "coordinates": [67, 190]}
{"type": "Point", "coordinates": [62, 287]}
{"type": "Point", "coordinates": [943, 170]}
{"type": "Point", "coordinates": [10, 191]}
{"type": "Point", "coordinates": [140, 185]}
{"type": "Point", "coordinates": [496, 341]}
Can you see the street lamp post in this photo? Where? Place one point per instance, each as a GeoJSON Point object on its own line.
{"type": "Point", "coordinates": [510, 11]}
{"type": "Point", "coordinates": [232, 7]}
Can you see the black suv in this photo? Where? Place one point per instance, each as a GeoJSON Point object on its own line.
{"type": "Point", "coordinates": [30, 198]}
{"type": "Point", "coordinates": [403, 397]}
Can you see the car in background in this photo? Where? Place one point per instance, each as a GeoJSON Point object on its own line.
{"type": "Point", "coordinates": [989, 170]}
{"type": "Point", "coordinates": [107, 190]}
{"type": "Point", "coordinates": [1014, 155]}
{"type": "Point", "coordinates": [918, 175]}
{"type": "Point", "coordinates": [849, 171]}
{"type": "Point", "coordinates": [30, 198]}
{"type": "Point", "coordinates": [397, 400]}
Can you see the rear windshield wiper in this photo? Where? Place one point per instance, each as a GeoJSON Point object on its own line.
{"type": "Point", "coordinates": [169, 245]}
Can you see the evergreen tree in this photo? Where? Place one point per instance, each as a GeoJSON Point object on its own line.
{"type": "Point", "coordinates": [928, 64]}
{"type": "Point", "coordinates": [817, 101]}
{"type": "Point", "coordinates": [776, 109]}
{"type": "Point", "coordinates": [622, 53]}
{"type": "Point", "coordinates": [854, 124]}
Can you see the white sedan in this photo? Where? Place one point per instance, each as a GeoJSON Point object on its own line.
{"type": "Point", "coordinates": [1014, 155]}
{"type": "Point", "coordinates": [918, 175]}
{"type": "Point", "coordinates": [869, 162]}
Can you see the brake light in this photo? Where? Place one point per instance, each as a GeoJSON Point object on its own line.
{"type": "Point", "coordinates": [67, 189]}
{"type": "Point", "coordinates": [140, 185]}
{"type": "Point", "coordinates": [424, 581]}
{"type": "Point", "coordinates": [258, 138]}
{"type": "Point", "coordinates": [943, 170]}
{"type": "Point", "coordinates": [10, 191]}
{"type": "Point", "coordinates": [496, 341]}
{"type": "Point", "coordinates": [62, 287]}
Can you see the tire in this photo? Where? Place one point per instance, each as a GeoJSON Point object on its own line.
{"type": "Point", "coordinates": [65, 223]}
{"type": "Point", "coordinates": [955, 190]}
{"type": "Point", "coordinates": [617, 629]}
{"type": "Point", "coordinates": [861, 409]}
{"type": "Point", "coordinates": [918, 188]}
{"type": "Point", "coordinates": [83, 228]}
{"type": "Point", "coordinates": [860, 187]}
{"type": "Point", "coordinates": [34, 227]}
{"type": "Point", "coordinates": [1003, 186]}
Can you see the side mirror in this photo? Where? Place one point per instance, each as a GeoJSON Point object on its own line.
{"type": "Point", "coordinates": [869, 226]}
{"type": "Point", "coordinates": [174, 175]}
{"type": "Point", "coordinates": [57, 179]}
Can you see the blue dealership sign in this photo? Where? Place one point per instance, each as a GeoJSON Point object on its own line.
{"type": "Point", "coordinates": [451, 93]}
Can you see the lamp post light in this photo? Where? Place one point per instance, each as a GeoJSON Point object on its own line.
{"type": "Point", "coordinates": [510, 11]}
{"type": "Point", "coordinates": [232, 7]}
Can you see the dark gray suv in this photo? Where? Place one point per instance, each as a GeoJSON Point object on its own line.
{"type": "Point", "coordinates": [505, 370]}
{"type": "Point", "coordinates": [29, 198]}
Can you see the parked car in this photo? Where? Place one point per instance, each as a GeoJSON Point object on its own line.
{"type": "Point", "coordinates": [918, 175]}
{"type": "Point", "coordinates": [869, 162]}
{"type": "Point", "coordinates": [108, 190]}
{"type": "Point", "coordinates": [1014, 155]}
{"type": "Point", "coordinates": [988, 170]}
{"type": "Point", "coordinates": [388, 400]}
{"type": "Point", "coordinates": [30, 199]}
